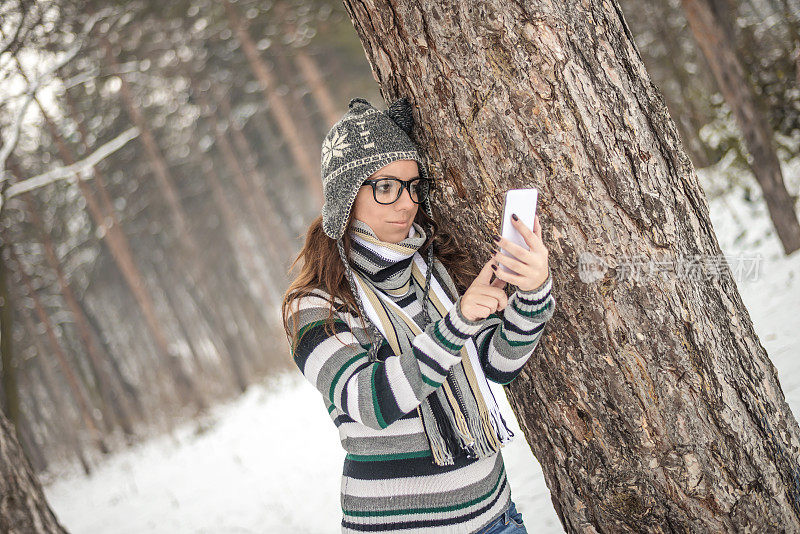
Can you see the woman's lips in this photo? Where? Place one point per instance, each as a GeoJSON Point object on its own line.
{"type": "Point", "coordinates": [400, 223]}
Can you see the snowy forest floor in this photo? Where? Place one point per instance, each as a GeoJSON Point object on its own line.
{"type": "Point", "coordinates": [270, 461]}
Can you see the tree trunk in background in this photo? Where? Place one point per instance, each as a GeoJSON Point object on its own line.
{"type": "Point", "coordinates": [111, 394]}
{"type": "Point", "coordinates": [259, 207]}
{"type": "Point", "coordinates": [27, 437]}
{"type": "Point", "coordinates": [319, 89]}
{"type": "Point", "coordinates": [131, 391]}
{"type": "Point", "coordinates": [259, 211]}
{"type": "Point", "coordinates": [23, 507]}
{"type": "Point", "coordinates": [230, 219]}
{"type": "Point", "coordinates": [715, 43]}
{"type": "Point", "coordinates": [310, 71]}
{"type": "Point", "coordinates": [10, 403]}
{"type": "Point", "coordinates": [196, 268]}
{"type": "Point", "coordinates": [164, 180]}
{"type": "Point", "coordinates": [119, 247]}
{"type": "Point", "coordinates": [97, 363]}
{"type": "Point", "coordinates": [277, 151]}
{"type": "Point", "coordinates": [246, 254]}
{"type": "Point", "coordinates": [278, 219]}
{"type": "Point", "coordinates": [649, 402]}
{"type": "Point", "coordinates": [277, 106]}
{"type": "Point", "coordinates": [58, 399]}
{"type": "Point", "coordinates": [78, 392]}
{"type": "Point", "coordinates": [686, 106]}
{"type": "Point", "coordinates": [286, 71]}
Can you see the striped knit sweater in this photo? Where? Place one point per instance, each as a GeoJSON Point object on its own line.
{"type": "Point", "coordinates": [389, 481]}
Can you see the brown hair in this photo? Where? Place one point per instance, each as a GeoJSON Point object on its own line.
{"type": "Point", "coordinates": [323, 269]}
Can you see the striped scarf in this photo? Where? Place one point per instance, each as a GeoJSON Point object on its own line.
{"type": "Point", "coordinates": [456, 416]}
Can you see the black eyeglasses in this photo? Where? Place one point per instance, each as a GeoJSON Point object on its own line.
{"type": "Point", "coordinates": [388, 190]}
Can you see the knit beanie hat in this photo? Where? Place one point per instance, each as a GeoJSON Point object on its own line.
{"type": "Point", "coordinates": [361, 142]}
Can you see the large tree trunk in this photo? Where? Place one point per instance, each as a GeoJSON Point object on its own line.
{"type": "Point", "coordinates": [23, 508]}
{"type": "Point", "coordinates": [650, 402]}
{"type": "Point", "coordinates": [715, 42]}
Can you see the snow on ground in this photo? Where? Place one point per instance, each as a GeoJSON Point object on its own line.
{"type": "Point", "coordinates": [270, 462]}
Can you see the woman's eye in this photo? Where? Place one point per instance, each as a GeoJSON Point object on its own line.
{"type": "Point", "coordinates": [384, 188]}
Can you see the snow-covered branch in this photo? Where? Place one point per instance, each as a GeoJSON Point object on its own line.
{"type": "Point", "coordinates": [80, 168]}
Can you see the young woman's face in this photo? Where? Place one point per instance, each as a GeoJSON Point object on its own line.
{"type": "Point", "coordinates": [391, 222]}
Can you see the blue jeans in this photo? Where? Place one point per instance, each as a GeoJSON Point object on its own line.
{"type": "Point", "coordinates": [508, 523]}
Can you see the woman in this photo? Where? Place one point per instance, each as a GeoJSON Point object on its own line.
{"type": "Point", "coordinates": [399, 354]}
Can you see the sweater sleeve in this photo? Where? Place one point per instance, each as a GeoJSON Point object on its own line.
{"type": "Point", "coordinates": [374, 394]}
{"type": "Point", "coordinates": [505, 344]}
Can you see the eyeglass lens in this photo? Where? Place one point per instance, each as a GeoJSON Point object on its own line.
{"type": "Point", "coordinates": [388, 190]}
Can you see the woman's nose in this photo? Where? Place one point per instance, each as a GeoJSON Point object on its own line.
{"type": "Point", "coordinates": [405, 199]}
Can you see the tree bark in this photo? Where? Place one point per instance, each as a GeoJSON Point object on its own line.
{"type": "Point", "coordinates": [650, 403]}
{"type": "Point", "coordinates": [715, 42]}
{"type": "Point", "coordinates": [23, 507]}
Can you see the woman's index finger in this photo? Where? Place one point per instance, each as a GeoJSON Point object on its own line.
{"type": "Point", "coordinates": [485, 276]}
{"type": "Point", "coordinates": [526, 233]}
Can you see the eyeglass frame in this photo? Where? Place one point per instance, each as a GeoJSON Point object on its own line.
{"type": "Point", "coordinates": [404, 184]}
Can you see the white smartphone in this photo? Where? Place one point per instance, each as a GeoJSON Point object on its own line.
{"type": "Point", "coordinates": [523, 203]}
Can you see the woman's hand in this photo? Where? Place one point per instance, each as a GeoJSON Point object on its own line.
{"type": "Point", "coordinates": [484, 297]}
{"type": "Point", "coordinates": [531, 265]}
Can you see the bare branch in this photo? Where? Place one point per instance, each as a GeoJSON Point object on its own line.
{"type": "Point", "coordinates": [8, 146]}
{"type": "Point", "coordinates": [12, 42]}
{"type": "Point", "coordinates": [15, 43]}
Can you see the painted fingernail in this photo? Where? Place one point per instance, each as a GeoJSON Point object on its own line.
{"type": "Point", "coordinates": [494, 266]}
{"type": "Point", "coordinates": [514, 216]}
{"type": "Point", "coordinates": [497, 238]}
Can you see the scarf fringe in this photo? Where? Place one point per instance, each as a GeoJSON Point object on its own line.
{"type": "Point", "coordinates": [485, 443]}
{"type": "Point", "coordinates": [438, 441]}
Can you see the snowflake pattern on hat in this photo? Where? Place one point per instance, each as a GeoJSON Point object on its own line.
{"type": "Point", "coordinates": [333, 146]}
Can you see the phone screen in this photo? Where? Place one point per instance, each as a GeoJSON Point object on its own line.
{"type": "Point", "coordinates": [523, 203]}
